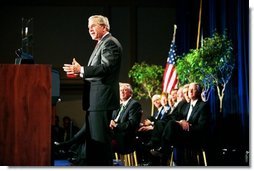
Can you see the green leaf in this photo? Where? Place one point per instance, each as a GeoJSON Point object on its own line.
{"type": "Point", "coordinates": [147, 79]}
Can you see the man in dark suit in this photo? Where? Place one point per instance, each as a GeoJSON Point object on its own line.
{"type": "Point", "coordinates": [191, 128]}
{"type": "Point", "coordinates": [148, 123]}
{"type": "Point", "coordinates": [101, 90]}
{"type": "Point", "coordinates": [147, 126]}
{"type": "Point", "coordinates": [125, 121]}
{"type": "Point", "coordinates": [174, 98]}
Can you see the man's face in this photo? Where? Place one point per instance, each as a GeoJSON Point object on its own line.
{"type": "Point", "coordinates": [96, 30]}
{"type": "Point", "coordinates": [180, 95]}
{"type": "Point", "coordinates": [174, 95]}
{"type": "Point", "coordinates": [164, 100]}
{"type": "Point", "coordinates": [157, 103]}
{"type": "Point", "coordinates": [125, 93]}
{"type": "Point", "coordinates": [185, 94]}
{"type": "Point", "coordinates": [193, 92]}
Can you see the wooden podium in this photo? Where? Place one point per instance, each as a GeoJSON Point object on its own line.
{"type": "Point", "coordinates": [25, 115]}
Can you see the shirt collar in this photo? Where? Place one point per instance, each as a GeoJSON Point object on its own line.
{"type": "Point", "coordinates": [102, 37]}
{"type": "Point", "coordinates": [193, 103]}
{"type": "Point", "coordinates": [176, 103]}
{"type": "Point", "coordinates": [125, 102]}
{"type": "Point", "coordinates": [160, 108]}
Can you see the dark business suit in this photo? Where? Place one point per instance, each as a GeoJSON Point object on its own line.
{"type": "Point", "coordinates": [199, 121]}
{"type": "Point", "coordinates": [124, 133]}
{"type": "Point", "coordinates": [174, 134]}
{"type": "Point", "coordinates": [160, 114]}
{"type": "Point", "coordinates": [144, 137]}
{"type": "Point", "coordinates": [159, 126]}
{"type": "Point", "coordinates": [100, 98]}
{"type": "Point", "coordinates": [101, 76]}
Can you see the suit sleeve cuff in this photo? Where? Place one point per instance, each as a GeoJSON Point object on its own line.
{"type": "Point", "coordinates": [81, 72]}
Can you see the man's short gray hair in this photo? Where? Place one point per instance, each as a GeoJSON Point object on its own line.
{"type": "Point", "coordinates": [102, 20]}
{"type": "Point", "coordinates": [126, 85]}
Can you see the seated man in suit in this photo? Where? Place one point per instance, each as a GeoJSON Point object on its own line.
{"type": "Point", "coordinates": [125, 121]}
{"type": "Point", "coordinates": [175, 97]}
{"type": "Point", "coordinates": [161, 103]}
{"type": "Point", "coordinates": [147, 126]}
{"type": "Point", "coordinates": [190, 127]}
{"type": "Point", "coordinates": [148, 122]}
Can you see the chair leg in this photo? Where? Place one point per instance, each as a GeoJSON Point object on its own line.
{"type": "Point", "coordinates": [125, 160]}
{"type": "Point", "coordinates": [116, 156]}
{"type": "Point", "coordinates": [131, 159]}
{"type": "Point", "coordinates": [198, 158]}
{"type": "Point", "coordinates": [204, 156]}
{"type": "Point", "coordinates": [128, 160]}
{"type": "Point", "coordinates": [135, 159]}
{"type": "Point", "coordinates": [171, 158]}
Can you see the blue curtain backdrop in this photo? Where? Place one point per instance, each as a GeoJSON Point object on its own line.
{"type": "Point", "coordinates": [230, 129]}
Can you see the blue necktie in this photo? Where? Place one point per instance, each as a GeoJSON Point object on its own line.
{"type": "Point", "coordinates": [159, 114]}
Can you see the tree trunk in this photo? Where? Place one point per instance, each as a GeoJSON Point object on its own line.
{"type": "Point", "coordinates": [221, 95]}
{"type": "Point", "coordinates": [152, 108]}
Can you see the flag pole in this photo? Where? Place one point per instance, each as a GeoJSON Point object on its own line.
{"type": "Point", "coordinates": [167, 71]}
{"type": "Point", "coordinates": [199, 24]}
{"type": "Point", "coordinates": [174, 34]}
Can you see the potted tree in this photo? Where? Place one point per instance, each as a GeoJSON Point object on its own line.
{"type": "Point", "coordinates": [146, 80]}
{"type": "Point", "coordinates": [211, 65]}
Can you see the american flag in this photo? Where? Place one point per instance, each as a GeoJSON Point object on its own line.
{"type": "Point", "coordinates": [170, 80]}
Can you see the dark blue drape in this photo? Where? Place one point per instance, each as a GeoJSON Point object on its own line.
{"type": "Point", "coordinates": [231, 127]}
{"type": "Point", "coordinates": [232, 16]}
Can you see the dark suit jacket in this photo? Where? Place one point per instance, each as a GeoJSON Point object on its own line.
{"type": "Point", "coordinates": [199, 120]}
{"type": "Point", "coordinates": [127, 125]}
{"type": "Point", "coordinates": [177, 113]}
{"type": "Point", "coordinates": [164, 112]}
{"type": "Point", "coordinates": [101, 76]}
{"type": "Point", "coordinates": [171, 114]}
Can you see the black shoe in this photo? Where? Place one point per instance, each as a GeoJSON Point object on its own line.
{"type": "Point", "coordinates": [157, 152]}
